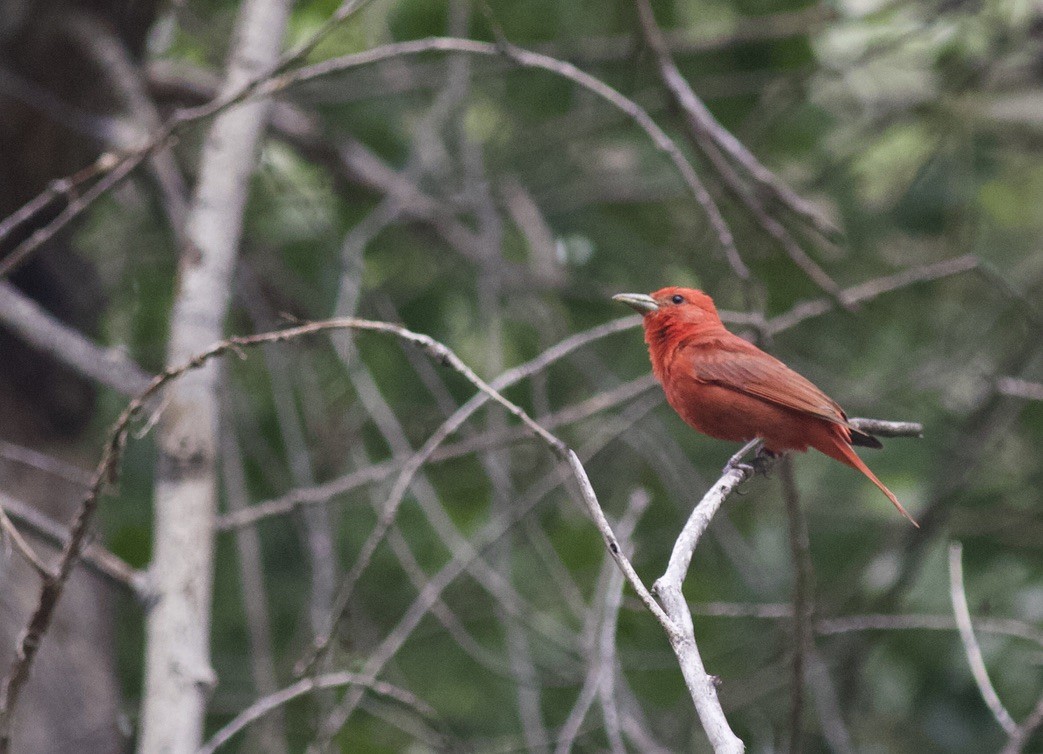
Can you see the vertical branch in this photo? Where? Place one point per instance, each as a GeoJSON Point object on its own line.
{"type": "Point", "coordinates": [178, 676]}
{"type": "Point", "coordinates": [497, 464]}
{"type": "Point", "coordinates": [970, 642]}
{"type": "Point", "coordinates": [317, 530]}
{"type": "Point", "coordinates": [251, 577]}
{"type": "Point", "coordinates": [701, 686]}
{"type": "Point", "coordinates": [600, 637]}
{"type": "Point", "coordinates": [803, 601]}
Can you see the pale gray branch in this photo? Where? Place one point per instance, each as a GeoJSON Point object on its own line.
{"type": "Point", "coordinates": [970, 642]}
{"type": "Point", "coordinates": [701, 686]}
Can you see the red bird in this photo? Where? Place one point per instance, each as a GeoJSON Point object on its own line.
{"type": "Point", "coordinates": [727, 388]}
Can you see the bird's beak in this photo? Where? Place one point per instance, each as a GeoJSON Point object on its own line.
{"type": "Point", "coordinates": [640, 302]}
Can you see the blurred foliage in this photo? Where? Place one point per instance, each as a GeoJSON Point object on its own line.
{"type": "Point", "coordinates": [915, 125]}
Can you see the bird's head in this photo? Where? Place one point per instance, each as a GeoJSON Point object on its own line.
{"type": "Point", "coordinates": [673, 306]}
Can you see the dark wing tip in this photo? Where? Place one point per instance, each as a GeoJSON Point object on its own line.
{"type": "Point", "coordinates": [863, 440]}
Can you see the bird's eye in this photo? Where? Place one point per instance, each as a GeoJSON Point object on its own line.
{"type": "Point", "coordinates": [678, 299]}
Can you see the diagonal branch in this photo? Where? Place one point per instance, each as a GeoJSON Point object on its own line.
{"type": "Point", "coordinates": [711, 139]}
{"type": "Point", "coordinates": [267, 704]}
{"type": "Point", "coordinates": [528, 59]}
{"type": "Point", "coordinates": [107, 472]}
{"type": "Point", "coordinates": [110, 169]}
{"type": "Point", "coordinates": [709, 131]}
{"type": "Point", "coordinates": [10, 530]}
{"type": "Point", "coordinates": [37, 327]}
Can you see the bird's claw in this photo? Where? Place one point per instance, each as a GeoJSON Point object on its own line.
{"type": "Point", "coordinates": [735, 465]}
{"type": "Point", "coordinates": [759, 464]}
{"type": "Point", "coordinates": [763, 462]}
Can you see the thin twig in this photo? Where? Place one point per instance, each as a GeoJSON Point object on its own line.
{"type": "Point", "coordinates": [708, 127]}
{"type": "Point", "coordinates": [600, 633]}
{"type": "Point", "coordinates": [39, 328]}
{"type": "Point", "coordinates": [95, 557]}
{"type": "Point", "coordinates": [528, 59]}
{"type": "Point", "coordinates": [970, 642]}
{"type": "Point", "coordinates": [252, 582]}
{"type": "Point", "coordinates": [803, 602]}
{"type": "Point", "coordinates": [1018, 388]}
{"type": "Point", "coordinates": [1021, 736]}
{"type": "Point", "coordinates": [708, 136]}
{"type": "Point", "coordinates": [41, 568]}
{"type": "Point", "coordinates": [870, 622]}
{"type": "Point", "coordinates": [56, 467]}
{"type": "Point", "coordinates": [61, 187]}
{"type": "Point", "coordinates": [267, 704]}
{"type": "Point", "coordinates": [872, 289]}
{"type": "Point", "coordinates": [124, 78]}
{"type": "Point", "coordinates": [489, 535]}
{"type": "Point", "coordinates": [111, 168]}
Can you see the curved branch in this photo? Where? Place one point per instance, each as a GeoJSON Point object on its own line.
{"type": "Point", "coordinates": [272, 702]}
{"type": "Point", "coordinates": [528, 59]}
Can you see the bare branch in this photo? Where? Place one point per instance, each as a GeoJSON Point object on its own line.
{"type": "Point", "coordinates": [252, 583]}
{"type": "Point", "coordinates": [709, 137]}
{"type": "Point", "coordinates": [600, 631]}
{"type": "Point", "coordinates": [701, 686]}
{"type": "Point", "coordinates": [57, 189]}
{"type": "Point", "coordinates": [706, 127]}
{"type": "Point", "coordinates": [178, 672]}
{"type": "Point", "coordinates": [803, 601]}
{"type": "Point", "coordinates": [1021, 736]}
{"type": "Point", "coordinates": [56, 467]}
{"type": "Point", "coordinates": [95, 557]}
{"type": "Point", "coordinates": [708, 36]}
{"type": "Point", "coordinates": [1018, 388]}
{"type": "Point", "coordinates": [871, 622]}
{"type": "Point", "coordinates": [10, 530]}
{"type": "Point", "coordinates": [528, 59]}
{"type": "Point", "coordinates": [112, 169]}
{"type": "Point", "coordinates": [970, 643]}
{"type": "Point", "coordinates": [30, 322]}
{"type": "Point", "coordinates": [124, 78]}
{"type": "Point", "coordinates": [267, 704]}
{"type": "Point", "coordinates": [874, 288]}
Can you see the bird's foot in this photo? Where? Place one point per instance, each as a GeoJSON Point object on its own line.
{"type": "Point", "coordinates": [735, 462]}
{"type": "Point", "coordinates": [748, 470]}
{"type": "Point", "coordinates": [763, 462]}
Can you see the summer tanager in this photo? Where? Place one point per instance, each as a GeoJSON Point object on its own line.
{"type": "Point", "coordinates": [727, 388]}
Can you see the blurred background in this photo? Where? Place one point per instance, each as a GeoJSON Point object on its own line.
{"type": "Point", "coordinates": [888, 246]}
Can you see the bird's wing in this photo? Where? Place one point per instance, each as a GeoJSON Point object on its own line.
{"type": "Point", "coordinates": [746, 369]}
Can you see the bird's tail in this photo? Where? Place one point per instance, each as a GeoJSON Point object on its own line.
{"type": "Point", "coordinates": [837, 447]}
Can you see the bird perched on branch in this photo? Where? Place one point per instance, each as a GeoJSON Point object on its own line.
{"type": "Point", "coordinates": [727, 388]}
